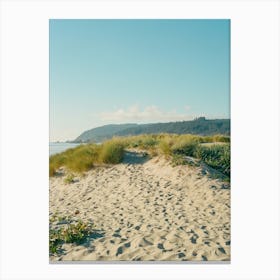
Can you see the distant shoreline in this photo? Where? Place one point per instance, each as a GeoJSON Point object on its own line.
{"type": "Point", "coordinates": [58, 147]}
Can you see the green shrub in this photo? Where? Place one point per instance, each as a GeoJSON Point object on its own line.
{"type": "Point", "coordinates": [216, 156]}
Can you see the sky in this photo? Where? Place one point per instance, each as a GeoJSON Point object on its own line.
{"type": "Point", "coordinates": [136, 71]}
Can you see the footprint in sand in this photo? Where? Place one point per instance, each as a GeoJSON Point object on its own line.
{"type": "Point", "coordinates": [144, 242]}
{"type": "Point", "coordinates": [181, 255]}
{"type": "Point", "coordinates": [127, 245]}
{"type": "Point", "coordinates": [119, 251]}
{"type": "Point", "coordinates": [204, 258]}
{"type": "Point", "coordinates": [222, 250]}
{"type": "Point", "coordinates": [194, 238]}
{"type": "Point", "coordinates": [137, 259]}
{"type": "Point", "coordinates": [212, 212]}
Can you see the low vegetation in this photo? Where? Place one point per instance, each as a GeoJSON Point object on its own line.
{"type": "Point", "coordinates": [213, 150]}
{"type": "Point", "coordinates": [75, 232]}
{"type": "Point", "coordinates": [69, 179]}
{"type": "Point", "coordinates": [84, 157]}
{"type": "Point", "coordinates": [111, 152]}
{"type": "Point", "coordinates": [216, 156]}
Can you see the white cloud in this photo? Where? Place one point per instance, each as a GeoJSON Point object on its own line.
{"type": "Point", "coordinates": [148, 114]}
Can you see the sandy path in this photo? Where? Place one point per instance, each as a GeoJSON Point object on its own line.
{"type": "Point", "coordinates": [146, 210]}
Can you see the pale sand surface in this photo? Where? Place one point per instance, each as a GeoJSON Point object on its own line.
{"type": "Point", "coordinates": [146, 210]}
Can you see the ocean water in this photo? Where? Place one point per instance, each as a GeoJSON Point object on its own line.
{"type": "Point", "coordinates": [55, 148]}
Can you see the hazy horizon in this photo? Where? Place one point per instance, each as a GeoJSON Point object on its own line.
{"type": "Point", "coordinates": [136, 71]}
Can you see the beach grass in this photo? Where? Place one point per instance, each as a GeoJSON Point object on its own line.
{"type": "Point", "coordinates": [111, 152]}
{"type": "Point", "coordinates": [216, 156]}
{"type": "Point", "coordinates": [84, 157]}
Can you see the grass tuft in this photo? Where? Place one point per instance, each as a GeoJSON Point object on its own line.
{"type": "Point", "coordinates": [72, 233]}
{"type": "Point", "coordinates": [185, 145]}
{"type": "Point", "coordinates": [69, 179]}
{"type": "Point", "coordinates": [112, 152]}
{"type": "Point", "coordinates": [216, 156]}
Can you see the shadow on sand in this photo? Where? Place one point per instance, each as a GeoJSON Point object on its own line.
{"type": "Point", "coordinates": [135, 157]}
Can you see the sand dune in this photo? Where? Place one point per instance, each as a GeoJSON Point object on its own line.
{"type": "Point", "coordinates": [146, 210]}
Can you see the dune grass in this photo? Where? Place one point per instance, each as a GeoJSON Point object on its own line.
{"type": "Point", "coordinates": [145, 141]}
{"type": "Point", "coordinates": [84, 157]}
{"type": "Point", "coordinates": [185, 145]}
{"type": "Point", "coordinates": [165, 148]}
{"type": "Point", "coordinates": [111, 152]}
{"type": "Point", "coordinates": [216, 156]}
{"type": "Point", "coordinates": [173, 146]}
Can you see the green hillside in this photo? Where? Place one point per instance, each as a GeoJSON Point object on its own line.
{"type": "Point", "coordinates": [199, 126]}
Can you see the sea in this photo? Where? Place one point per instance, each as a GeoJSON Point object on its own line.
{"type": "Point", "coordinates": [58, 147]}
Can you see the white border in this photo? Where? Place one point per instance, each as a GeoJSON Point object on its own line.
{"type": "Point", "coordinates": [255, 137]}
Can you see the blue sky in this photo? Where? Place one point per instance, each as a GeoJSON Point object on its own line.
{"type": "Point", "coordinates": [136, 71]}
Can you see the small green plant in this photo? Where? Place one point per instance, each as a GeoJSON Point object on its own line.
{"type": "Point", "coordinates": [54, 242]}
{"type": "Point", "coordinates": [72, 233]}
{"type": "Point", "coordinates": [69, 179]}
{"type": "Point", "coordinates": [183, 160]}
{"type": "Point", "coordinates": [178, 160]}
{"type": "Point", "coordinates": [60, 219]}
{"type": "Point", "coordinates": [75, 233]}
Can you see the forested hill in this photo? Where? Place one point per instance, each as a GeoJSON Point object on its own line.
{"type": "Point", "coordinates": [200, 126]}
{"type": "Point", "coordinates": [102, 133]}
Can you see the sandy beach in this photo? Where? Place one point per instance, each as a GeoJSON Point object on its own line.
{"type": "Point", "coordinates": [145, 209]}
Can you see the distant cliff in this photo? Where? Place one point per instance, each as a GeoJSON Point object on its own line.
{"type": "Point", "coordinates": [199, 126]}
